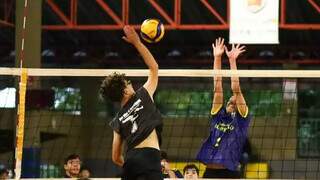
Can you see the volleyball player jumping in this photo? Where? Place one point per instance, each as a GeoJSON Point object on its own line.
{"type": "Point", "coordinates": [222, 150]}
{"type": "Point", "coordinates": [138, 122]}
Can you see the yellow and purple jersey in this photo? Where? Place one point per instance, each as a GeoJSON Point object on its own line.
{"type": "Point", "coordinates": [228, 133]}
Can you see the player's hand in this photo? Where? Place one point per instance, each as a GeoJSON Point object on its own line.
{"type": "Point", "coordinates": [131, 35]}
{"type": "Point", "coordinates": [218, 47]}
{"type": "Point", "coordinates": [235, 51]}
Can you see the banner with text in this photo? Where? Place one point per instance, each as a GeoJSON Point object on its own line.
{"type": "Point", "coordinates": [254, 21]}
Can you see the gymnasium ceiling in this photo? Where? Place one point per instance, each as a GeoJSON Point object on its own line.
{"type": "Point", "coordinates": [97, 42]}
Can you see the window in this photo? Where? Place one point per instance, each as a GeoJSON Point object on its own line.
{"type": "Point", "coordinates": [309, 123]}
{"type": "Point", "coordinates": [8, 98]}
{"type": "Point", "coordinates": [67, 99]}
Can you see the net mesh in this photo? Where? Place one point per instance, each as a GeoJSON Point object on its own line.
{"type": "Point", "coordinates": [64, 115]}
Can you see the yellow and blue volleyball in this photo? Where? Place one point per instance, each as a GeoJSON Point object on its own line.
{"type": "Point", "coordinates": [152, 30]}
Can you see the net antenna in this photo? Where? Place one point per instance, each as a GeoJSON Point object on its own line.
{"type": "Point", "coordinates": [22, 96]}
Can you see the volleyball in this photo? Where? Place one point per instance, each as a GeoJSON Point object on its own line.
{"type": "Point", "coordinates": [152, 30]}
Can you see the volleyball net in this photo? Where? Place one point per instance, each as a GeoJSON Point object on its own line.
{"type": "Point", "coordinates": [64, 115]}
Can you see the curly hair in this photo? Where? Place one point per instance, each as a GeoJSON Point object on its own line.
{"type": "Point", "coordinates": [113, 86]}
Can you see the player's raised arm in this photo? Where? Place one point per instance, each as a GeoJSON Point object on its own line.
{"type": "Point", "coordinates": [235, 84]}
{"type": "Point", "coordinates": [132, 37]}
{"type": "Point", "coordinates": [218, 49]}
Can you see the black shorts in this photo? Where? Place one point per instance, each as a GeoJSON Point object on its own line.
{"type": "Point", "coordinates": [142, 164]}
{"type": "Point", "coordinates": [221, 173]}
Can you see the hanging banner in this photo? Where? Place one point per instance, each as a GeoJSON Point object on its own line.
{"type": "Point", "coordinates": [254, 21]}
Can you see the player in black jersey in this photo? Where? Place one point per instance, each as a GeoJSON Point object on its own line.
{"type": "Point", "coordinates": [138, 122]}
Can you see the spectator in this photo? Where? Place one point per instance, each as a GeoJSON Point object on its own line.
{"type": "Point", "coordinates": [190, 171]}
{"type": "Point", "coordinates": [72, 166]}
{"type": "Point", "coordinates": [167, 172]}
{"type": "Point", "coordinates": [85, 173]}
{"type": "Point", "coordinates": [4, 174]}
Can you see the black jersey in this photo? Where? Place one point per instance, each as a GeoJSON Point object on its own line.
{"type": "Point", "coordinates": [137, 119]}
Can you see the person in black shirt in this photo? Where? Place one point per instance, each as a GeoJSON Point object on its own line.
{"type": "Point", "coordinates": [138, 122]}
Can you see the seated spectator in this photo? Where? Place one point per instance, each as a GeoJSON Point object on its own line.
{"type": "Point", "coordinates": [190, 171]}
{"type": "Point", "coordinates": [4, 174]}
{"type": "Point", "coordinates": [72, 166]}
{"type": "Point", "coordinates": [167, 172]}
{"type": "Point", "coordinates": [85, 173]}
